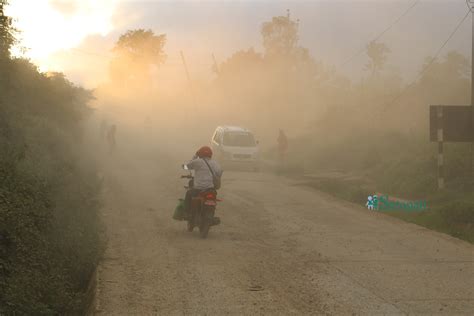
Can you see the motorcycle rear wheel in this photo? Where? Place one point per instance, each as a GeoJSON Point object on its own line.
{"type": "Point", "coordinates": [204, 229]}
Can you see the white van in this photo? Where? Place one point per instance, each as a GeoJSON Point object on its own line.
{"type": "Point", "coordinates": [234, 145]}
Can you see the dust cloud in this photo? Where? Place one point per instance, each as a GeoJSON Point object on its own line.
{"type": "Point", "coordinates": [337, 95]}
{"type": "Point", "coordinates": [282, 86]}
{"type": "Point", "coordinates": [154, 95]}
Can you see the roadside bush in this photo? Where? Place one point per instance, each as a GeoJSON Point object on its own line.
{"type": "Point", "coordinates": [49, 225]}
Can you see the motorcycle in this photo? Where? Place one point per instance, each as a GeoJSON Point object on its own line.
{"type": "Point", "coordinates": [203, 208]}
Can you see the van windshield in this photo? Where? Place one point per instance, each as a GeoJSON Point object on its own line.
{"type": "Point", "coordinates": [239, 139]}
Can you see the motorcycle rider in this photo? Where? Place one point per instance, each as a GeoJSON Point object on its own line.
{"type": "Point", "coordinates": [204, 179]}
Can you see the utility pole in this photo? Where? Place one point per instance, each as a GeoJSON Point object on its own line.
{"type": "Point", "coordinates": [216, 67]}
{"type": "Point", "coordinates": [189, 81]}
{"type": "Point", "coordinates": [185, 68]}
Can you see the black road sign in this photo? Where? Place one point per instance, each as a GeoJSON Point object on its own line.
{"type": "Point", "coordinates": [455, 121]}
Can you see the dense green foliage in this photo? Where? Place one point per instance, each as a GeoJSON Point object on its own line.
{"type": "Point", "coordinates": [49, 228]}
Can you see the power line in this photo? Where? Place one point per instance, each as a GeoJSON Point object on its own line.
{"type": "Point", "coordinates": [379, 36]}
{"type": "Point", "coordinates": [428, 66]}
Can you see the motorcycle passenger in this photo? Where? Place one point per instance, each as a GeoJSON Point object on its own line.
{"type": "Point", "coordinates": [204, 179]}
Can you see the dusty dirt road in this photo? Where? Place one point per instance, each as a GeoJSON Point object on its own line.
{"type": "Point", "coordinates": [281, 249]}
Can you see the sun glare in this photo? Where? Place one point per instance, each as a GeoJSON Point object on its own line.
{"type": "Point", "coordinates": [49, 26]}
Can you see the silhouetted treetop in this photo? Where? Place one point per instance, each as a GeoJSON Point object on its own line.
{"type": "Point", "coordinates": [280, 35]}
{"type": "Point", "coordinates": [136, 52]}
{"type": "Point", "coordinates": [7, 38]}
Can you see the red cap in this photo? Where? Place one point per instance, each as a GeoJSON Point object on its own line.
{"type": "Point", "coordinates": [204, 151]}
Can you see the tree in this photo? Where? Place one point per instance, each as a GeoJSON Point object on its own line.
{"type": "Point", "coordinates": [377, 53]}
{"type": "Point", "coordinates": [136, 52]}
{"type": "Point", "coordinates": [280, 41]}
{"type": "Point", "coordinates": [445, 80]}
{"type": "Point", "coordinates": [280, 36]}
{"type": "Point", "coordinates": [284, 81]}
{"type": "Point", "coordinates": [241, 62]}
{"type": "Point", "coordinates": [7, 38]}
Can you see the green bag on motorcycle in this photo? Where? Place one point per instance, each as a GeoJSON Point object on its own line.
{"type": "Point", "coordinates": [179, 211]}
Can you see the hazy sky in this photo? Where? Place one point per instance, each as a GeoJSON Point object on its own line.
{"type": "Point", "coordinates": [332, 30]}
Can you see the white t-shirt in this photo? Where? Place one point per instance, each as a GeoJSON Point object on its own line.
{"type": "Point", "coordinates": [202, 175]}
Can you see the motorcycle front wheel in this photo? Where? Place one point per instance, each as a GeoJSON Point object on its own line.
{"type": "Point", "coordinates": [190, 226]}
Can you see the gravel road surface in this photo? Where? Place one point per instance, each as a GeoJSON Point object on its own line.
{"type": "Point", "coordinates": [282, 249]}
